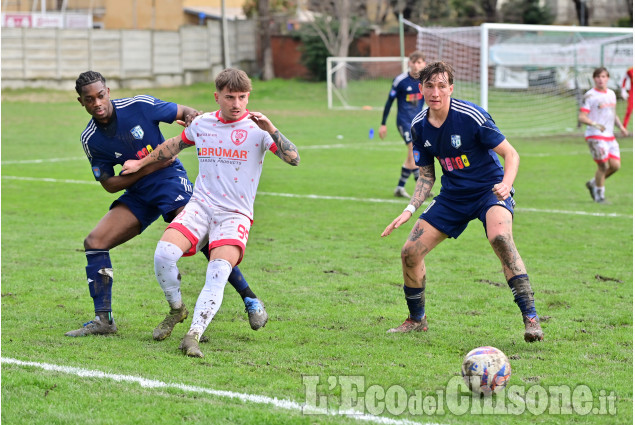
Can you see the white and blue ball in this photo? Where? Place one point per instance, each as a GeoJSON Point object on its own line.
{"type": "Point", "coordinates": [486, 370]}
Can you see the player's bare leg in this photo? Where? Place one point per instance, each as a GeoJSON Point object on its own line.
{"type": "Point", "coordinates": [116, 227]}
{"type": "Point", "coordinates": [422, 239]}
{"type": "Point", "coordinates": [499, 234]}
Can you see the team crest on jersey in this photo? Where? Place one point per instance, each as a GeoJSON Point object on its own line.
{"type": "Point", "coordinates": [239, 136]}
{"type": "Point", "coordinates": [455, 140]}
{"type": "Point", "coordinates": [137, 132]}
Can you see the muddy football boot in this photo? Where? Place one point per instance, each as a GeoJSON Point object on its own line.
{"type": "Point", "coordinates": [100, 325]}
{"type": "Point", "coordinates": [411, 325]}
{"type": "Point", "coordinates": [533, 331]}
{"type": "Point", "coordinates": [255, 309]}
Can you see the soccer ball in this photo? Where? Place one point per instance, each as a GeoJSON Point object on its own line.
{"type": "Point", "coordinates": [486, 370]}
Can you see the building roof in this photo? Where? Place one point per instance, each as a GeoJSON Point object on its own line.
{"type": "Point", "coordinates": [210, 12]}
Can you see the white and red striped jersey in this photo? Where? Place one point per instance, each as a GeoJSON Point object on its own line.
{"type": "Point", "coordinates": [230, 157]}
{"type": "Point", "coordinates": [600, 105]}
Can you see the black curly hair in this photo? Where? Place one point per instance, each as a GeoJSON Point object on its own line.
{"type": "Point", "coordinates": [86, 78]}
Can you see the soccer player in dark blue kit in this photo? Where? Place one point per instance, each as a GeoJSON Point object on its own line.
{"type": "Point", "coordinates": [464, 139]}
{"type": "Point", "coordinates": [123, 129]}
{"type": "Point", "coordinates": [405, 89]}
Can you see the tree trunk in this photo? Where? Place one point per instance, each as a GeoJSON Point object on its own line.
{"type": "Point", "coordinates": [264, 24]}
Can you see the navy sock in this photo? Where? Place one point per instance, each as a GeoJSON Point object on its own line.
{"type": "Point", "coordinates": [99, 274]}
{"type": "Point", "coordinates": [415, 298]}
{"type": "Point", "coordinates": [405, 173]}
{"type": "Point", "coordinates": [237, 280]}
{"type": "Point", "coordinates": [523, 295]}
{"type": "Point", "coordinates": [415, 173]}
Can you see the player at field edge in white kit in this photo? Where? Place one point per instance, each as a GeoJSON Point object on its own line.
{"type": "Point", "coordinates": [466, 142]}
{"type": "Point", "coordinates": [231, 144]}
{"type": "Point", "coordinates": [122, 129]}
{"type": "Point", "coordinates": [598, 113]}
{"type": "Point", "coordinates": [405, 89]}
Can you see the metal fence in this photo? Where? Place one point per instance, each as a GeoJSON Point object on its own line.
{"type": "Point", "coordinates": [54, 57]}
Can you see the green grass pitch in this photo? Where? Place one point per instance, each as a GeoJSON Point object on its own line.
{"type": "Point", "coordinates": [331, 285]}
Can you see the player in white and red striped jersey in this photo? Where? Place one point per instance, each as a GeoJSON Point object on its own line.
{"type": "Point", "coordinates": [598, 112]}
{"type": "Point", "coordinates": [231, 144]}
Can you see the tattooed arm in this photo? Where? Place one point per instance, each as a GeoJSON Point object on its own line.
{"type": "Point", "coordinates": [165, 151]}
{"type": "Point", "coordinates": [422, 191]}
{"type": "Point", "coordinates": [287, 151]}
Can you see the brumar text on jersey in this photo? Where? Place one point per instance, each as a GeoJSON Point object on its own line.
{"type": "Point", "coordinates": [405, 89]}
{"type": "Point", "coordinates": [230, 156]}
{"type": "Point", "coordinates": [463, 146]}
{"type": "Point", "coordinates": [132, 133]}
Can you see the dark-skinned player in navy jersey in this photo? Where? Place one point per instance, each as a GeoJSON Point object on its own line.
{"type": "Point", "coordinates": [405, 89]}
{"type": "Point", "coordinates": [464, 139]}
{"type": "Point", "coordinates": [119, 130]}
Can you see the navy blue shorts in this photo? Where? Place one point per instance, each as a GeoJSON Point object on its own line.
{"type": "Point", "coordinates": [159, 198]}
{"type": "Point", "coordinates": [452, 215]}
{"type": "Point", "coordinates": [404, 130]}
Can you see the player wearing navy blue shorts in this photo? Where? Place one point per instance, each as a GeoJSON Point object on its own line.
{"type": "Point", "coordinates": [405, 89]}
{"type": "Point", "coordinates": [465, 140]}
{"type": "Point", "coordinates": [119, 130]}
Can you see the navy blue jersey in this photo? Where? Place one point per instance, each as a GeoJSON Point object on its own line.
{"type": "Point", "coordinates": [132, 134]}
{"type": "Point", "coordinates": [405, 89]}
{"type": "Point", "coordinates": [463, 146]}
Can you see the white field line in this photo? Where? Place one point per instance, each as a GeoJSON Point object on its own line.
{"type": "Point", "coordinates": [371, 145]}
{"type": "Point", "coordinates": [249, 398]}
{"type": "Point", "coordinates": [42, 161]}
{"type": "Point", "coordinates": [344, 198]}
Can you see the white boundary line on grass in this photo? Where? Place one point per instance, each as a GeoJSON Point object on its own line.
{"type": "Point", "coordinates": [252, 398]}
{"type": "Point", "coordinates": [343, 198]}
{"type": "Point", "coordinates": [366, 145]}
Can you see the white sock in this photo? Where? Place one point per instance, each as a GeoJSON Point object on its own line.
{"type": "Point", "coordinates": [211, 296]}
{"type": "Point", "coordinates": [599, 192]}
{"type": "Point", "coordinates": [167, 273]}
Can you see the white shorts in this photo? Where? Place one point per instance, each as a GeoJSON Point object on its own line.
{"type": "Point", "coordinates": [200, 223]}
{"type": "Point", "coordinates": [603, 150]}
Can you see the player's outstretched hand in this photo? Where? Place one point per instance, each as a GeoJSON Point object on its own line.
{"type": "Point", "coordinates": [263, 122]}
{"type": "Point", "coordinates": [189, 118]}
{"type": "Point", "coordinates": [502, 191]}
{"type": "Point", "coordinates": [405, 216]}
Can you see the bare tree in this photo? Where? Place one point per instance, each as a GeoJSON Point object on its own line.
{"type": "Point", "coordinates": [582, 11]}
{"type": "Point", "coordinates": [489, 8]}
{"type": "Point", "coordinates": [336, 25]}
{"type": "Point", "coordinates": [264, 22]}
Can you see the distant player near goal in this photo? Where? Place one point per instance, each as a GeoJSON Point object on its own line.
{"type": "Point", "coordinates": [598, 113]}
{"type": "Point", "coordinates": [405, 89]}
{"type": "Point", "coordinates": [231, 144]}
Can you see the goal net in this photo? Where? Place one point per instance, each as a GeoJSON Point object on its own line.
{"type": "Point", "coordinates": [531, 78]}
{"type": "Point", "coordinates": [361, 82]}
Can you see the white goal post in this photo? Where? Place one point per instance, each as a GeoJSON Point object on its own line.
{"type": "Point", "coordinates": [531, 78]}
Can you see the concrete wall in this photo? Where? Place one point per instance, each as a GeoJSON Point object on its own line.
{"type": "Point", "coordinates": [53, 58]}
